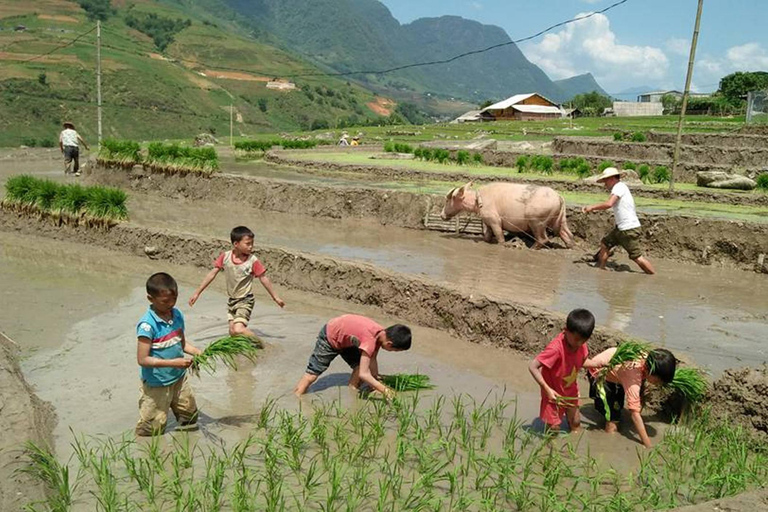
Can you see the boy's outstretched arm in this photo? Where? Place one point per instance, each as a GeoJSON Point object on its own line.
{"type": "Point", "coordinates": [267, 284]}
{"type": "Point", "coordinates": [147, 361]}
{"type": "Point", "coordinates": [366, 376]}
{"type": "Point", "coordinates": [188, 347]}
{"type": "Point", "coordinates": [535, 368]}
{"type": "Point", "coordinates": [637, 419]}
{"type": "Point", "coordinates": [208, 279]}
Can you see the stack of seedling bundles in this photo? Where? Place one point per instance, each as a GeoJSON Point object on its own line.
{"type": "Point", "coordinates": [248, 148]}
{"type": "Point", "coordinates": [65, 203]}
{"type": "Point", "coordinates": [176, 159]}
{"type": "Point", "coordinates": [122, 154]}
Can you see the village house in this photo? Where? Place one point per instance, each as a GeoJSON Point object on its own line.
{"type": "Point", "coordinates": [523, 107]}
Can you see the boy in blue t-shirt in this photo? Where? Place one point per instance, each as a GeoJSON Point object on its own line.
{"type": "Point", "coordinates": [160, 353]}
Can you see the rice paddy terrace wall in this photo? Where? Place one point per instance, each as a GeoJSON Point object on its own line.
{"type": "Point", "coordinates": [722, 140]}
{"type": "Point", "coordinates": [701, 241]}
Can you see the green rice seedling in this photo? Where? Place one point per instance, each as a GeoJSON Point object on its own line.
{"type": "Point", "coordinates": [522, 163]}
{"type": "Point", "coordinates": [225, 350]}
{"type": "Point", "coordinates": [661, 174]}
{"type": "Point", "coordinates": [407, 382]}
{"type": "Point", "coordinates": [173, 158]}
{"type": "Point", "coordinates": [70, 201]}
{"type": "Point", "coordinates": [638, 137]}
{"type": "Point", "coordinates": [626, 352]}
{"type": "Point", "coordinates": [566, 165]}
{"type": "Point", "coordinates": [618, 136]}
{"type": "Point", "coordinates": [477, 158]}
{"type": "Point", "coordinates": [119, 153]}
{"type": "Point", "coordinates": [403, 148]}
{"type": "Point", "coordinates": [389, 147]}
{"type": "Point", "coordinates": [762, 181]}
{"type": "Point", "coordinates": [46, 192]}
{"type": "Point", "coordinates": [427, 154]}
{"type": "Point", "coordinates": [252, 146]}
{"type": "Point", "coordinates": [20, 189]}
{"type": "Point", "coordinates": [442, 155]}
{"type": "Point", "coordinates": [644, 173]}
{"type": "Point", "coordinates": [418, 153]}
{"type": "Point", "coordinates": [629, 166]}
{"type": "Point", "coordinates": [106, 206]}
{"type": "Point", "coordinates": [691, 384]}
{"type": "Point", "coordinates": [462, 157]}
{"type": "Point", "coordinates": [604, 165]}
{"type": "Point", "coordinates": [43, 466]}
{"type": "Point", "coordinates": [583, 170]}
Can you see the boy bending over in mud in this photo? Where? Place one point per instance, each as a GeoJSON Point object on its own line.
{"type": "Point", "coordinates": [556, 370]}
{"type": "Point", "coordinates": [357, 339]}
{"type": "Point", "coordinates": [160, 353]}
{"type": "Point", "coordinates": [627, 380]}
{"type": "Point", "coordinates": [240, 266]}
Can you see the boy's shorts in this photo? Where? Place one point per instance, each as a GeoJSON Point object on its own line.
{"type": "Point", "coordinates": [239, 310]}
{"type": "Point", "coordinates": [154, 402]}
{"type": "Point", "coordinates": [614, 394]}
{"type": "Point", "coordinates": [324, 354]}
{"type": "Point", "coordinates": [629, 240]}
{"type": "Point", "coordinates": [552, 413]}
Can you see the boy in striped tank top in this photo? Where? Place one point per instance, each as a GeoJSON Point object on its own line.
{"type": "Point", "coordinates": [240, 266]}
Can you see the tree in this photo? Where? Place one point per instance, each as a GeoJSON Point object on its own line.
{"type": "Point", "coordinates": [486, 103]}
{"type": "Point", "coordinates": [735, 86]}
{"type": "Point", "coordinates": [97, 9]}
{"type": "Point", "coordinates": [263, 104]}
{"type": "Point", "coordinates": [591, 103]}
{"type": "Point", "coordinates": [410, 113]}
{"type": "Point", "coordinates": [670, 103]}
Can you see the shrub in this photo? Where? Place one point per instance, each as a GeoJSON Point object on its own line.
{"type": "Point", "coordinates": [47, 143]}
{"type": "Point", "coordinates": [630, 166]}
{"type": "Point", "coordinates": [389, 147]}
{"type": "Point", "coordinates": [65, 203]}
{"type": "Point", "coordinates": [442, 155]}
{"type": "Point", "coordinates": [638, 137]}
{"type": "Point", "coordinates": [477, 158]}
{"type": "Point", "coordinates": [644, 173]}
{"type": "Point", "coordinates": [462, 157]}
{"type": "Point", "coordinates": [583, 170]}
{"type": "Point", "coordinates": [618, 136]}
{"type": "Point", "coordinates": [604, 165]}
{"type": "Point", "coordinates": [522, 163]}
{"type": "Point", "coordinates": [661, 174]}
{"type": "Point", "coordinates": [30, 142]}
{"type": "Point", "coordinates": [762, 181]}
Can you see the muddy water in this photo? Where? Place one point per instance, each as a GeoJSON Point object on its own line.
{"type": "Point", "coordinates": [87, 368]}
{"type": "Point", "coordinates": [715, 315]}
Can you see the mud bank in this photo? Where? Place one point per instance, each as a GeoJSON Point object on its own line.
{"type": "Point", "coordinates": [740, 395]}
{"type": "Point", "coordinates": [708, 155]}
{"type": "Point", "coordinates": [382, 171]}
{"type": "Point", "coordinates": [24, 418]}
{"type": "Point", "coordinates": [721, 140]}
{"type": "Point", "coordinates": [753, 501]}
{"type": "Point", "coordinates": [701, 241]}
{"type": "Point", "coordinates": [476, 318]}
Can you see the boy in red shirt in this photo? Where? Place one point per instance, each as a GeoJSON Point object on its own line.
{"type": "Point", "coordinates": [556, 370]}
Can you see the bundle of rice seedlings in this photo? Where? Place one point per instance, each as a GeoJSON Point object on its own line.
{"type": "Point", "coordinates": [122, 153]}
{"type": "Point", "coordinates": [224, 351]}
{"type": "Point", "coordinates": [690, 383]}
{"type": "Point", "coordinates": [630, 350]}
{"type": "Point", "coordinates": [105, 206]}
{"type": "Point", "coordinates": [46, 192]}
{"type": "Point", "coordinates": [173, 158]}
{"type": "Point", "coordinates": [20, 188]}
{"type": "Point", "coordinates": [407, 382]}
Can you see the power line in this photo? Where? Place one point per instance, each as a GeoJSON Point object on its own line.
{"type": "Point", "coordinates": [69, 43]}
{"type": "Point", "coordinates": [466, 54]}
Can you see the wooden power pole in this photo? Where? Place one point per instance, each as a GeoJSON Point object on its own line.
{"type": "Point", "coordinates": [98, 77]}
{"type": "Point", "coordinates": [231, 124]}
{"type": "Point", "coordinates": [686, 93]}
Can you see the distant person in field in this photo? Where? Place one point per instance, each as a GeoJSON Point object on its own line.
{"type": "Point", "coordinates": [343, 140]}
{"type": "Point", "coordinates": [240, 265]}
{"type": "Point", "coordinates": [556, 371]}
{"type": "Point", "coordinates": [626, 382]}
{"type": "Point", "coordinates": [357, 339]}
{"type": "Point", "coordinates": [355, 141]}
{"type": "Point", "coordinates": [161, 351]}
{"type": "Point", "coordinates": [69, 144]}
{"type": "Point", "coordinates": [626, 233]}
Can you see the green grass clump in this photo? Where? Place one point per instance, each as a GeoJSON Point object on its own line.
{"type": "Point", "coordinates": [604, 165]}
{"type": "Point", "coordinates": [691, 384]}
{"type": "Point", "coordinates": [477, 158]}
{"type": "Point", "coordinates": [462, 157]}
{"type": "Point", "coordinates": [119, 153]}
{"type": "Point", "coordinates": [629, 166]}
{"type": "Point", "coordinates": [522, 163]}
{"type": "Point", "coordinates": [618, 136]}
{"type": "Point", "coordinates": [43, 466]}
{"type": "Point", "coordinates": [389, 147]}
{"type": "Point", "coordinates": [542, 163]}
{"type": "Point", "coordinates": [224, 351]}
{"type": "Point", "coordinates": [398, 147]}
{"type": "Point", "coordinates": [644, 173]}
{"type": "Point", "coordinates": [661, 175]}
{"type": "Point", "coordinates": [407, 382]}
{"type": "Point", "coordinates": [638, 137]}
{"type": "Point", "coordinates": [177, 159]}
{"type": "Point", "coordinates": [65, 203]}
{"type": "Point", "coordinates": [762, 181]}
{"type": "Point", "coordinates": [442, 155]}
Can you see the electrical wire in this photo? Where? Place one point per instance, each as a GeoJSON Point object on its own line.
{"type": "Point", "coordinates": [69, 43]}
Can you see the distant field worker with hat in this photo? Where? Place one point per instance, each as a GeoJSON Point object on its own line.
{"type": "Point", "coordinates": [626, 233]}
{"type": "Point", "coordinates": [69, 143]}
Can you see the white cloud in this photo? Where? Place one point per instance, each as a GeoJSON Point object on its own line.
{"type": "Point", "coordinates": [591, 1]}
{"type": "Point", "coordinates": [678, 46]}
{"type": "Point", "coordinates": [476, 6]}
{"type": "Point", "coordinates": [746, 57]}
{"type": "Point", "coordinates": [589, 45]}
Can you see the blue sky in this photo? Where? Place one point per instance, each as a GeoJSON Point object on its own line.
{"type": "Point", "coordinates": [642, 42]}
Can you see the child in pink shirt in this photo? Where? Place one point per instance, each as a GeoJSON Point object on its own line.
{"type": "Point", "coordinates": [556, 370]}
{"type": "Point", "coordinates": [626, 380]}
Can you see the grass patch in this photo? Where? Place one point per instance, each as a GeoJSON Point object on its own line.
{"type": "Point", "coordinates": [177, 159]}
{"type": "Point", "coordinates": [446, 454]}
{"type": "Point", "coordinates": [65, 203]}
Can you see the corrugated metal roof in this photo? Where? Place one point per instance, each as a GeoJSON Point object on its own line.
{"type": "Point", "coordinates": [537, 109]}
{"type": "Point", "coordinates": [517, 98]}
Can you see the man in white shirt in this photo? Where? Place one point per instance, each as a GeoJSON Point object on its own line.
{"type": "Point", "coordinates": [627, 230]}
{"type": "Point", "coordinates": [69, 143]}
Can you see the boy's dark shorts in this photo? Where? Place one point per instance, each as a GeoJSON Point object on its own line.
{"type": "Point", "coordinates": [629, 240]}
{"type": "Point", "coordinates": [614, 393]}
{"type": "Point", "coordinates": [324, 354]}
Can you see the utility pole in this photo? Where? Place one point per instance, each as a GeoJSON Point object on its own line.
{"type": "Point", "coordinates": [686, 92]}
{"type": "Point", "coordinates": [98, 77]}
{"type": "Point", "coordinates": [231, 125]}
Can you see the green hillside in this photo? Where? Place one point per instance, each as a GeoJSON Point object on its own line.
{"type": "Point", "coordinates": [173, 73]}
